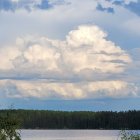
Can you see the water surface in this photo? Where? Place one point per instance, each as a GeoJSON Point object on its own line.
{"type": "Point", "coordinates": [70, 134]}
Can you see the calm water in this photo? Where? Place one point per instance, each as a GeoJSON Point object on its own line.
{"type": "Point", "coordinates": [69, 134]}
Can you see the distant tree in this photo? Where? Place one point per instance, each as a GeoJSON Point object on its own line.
{"type": "Point", "coordinates": [43, 119]}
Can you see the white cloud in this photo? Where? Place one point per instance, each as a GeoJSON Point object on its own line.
{"type": "Point", "coordinates": [85, 48]}
{"type": "Point", "coordinates": [56, 90]}
{"type": "Point", "coordinates": [84, 53]}
{"type": "Point", "coordinates": [8, 54]}
{"type": "Point", "coordinates": [55, 23]}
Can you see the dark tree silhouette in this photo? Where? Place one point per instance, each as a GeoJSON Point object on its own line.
{"type": "Point", "coordinates": [43, 119]}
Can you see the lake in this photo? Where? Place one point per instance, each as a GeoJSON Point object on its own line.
{"type": "Point", "coordinates": [70, 134]}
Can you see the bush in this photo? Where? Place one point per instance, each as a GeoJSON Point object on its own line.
{"type": "Point", "coordinates": [9, 126]}
{"type": "Point", "coordinates": [129, 135]}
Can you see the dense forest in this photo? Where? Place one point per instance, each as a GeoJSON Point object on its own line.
{"type": "Point", "coordinates": [43, 119]}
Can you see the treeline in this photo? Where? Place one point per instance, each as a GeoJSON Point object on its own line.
{"type": "Point", "coordinates": [42, 119]}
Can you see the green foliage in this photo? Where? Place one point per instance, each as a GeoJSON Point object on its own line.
{"type": "Point", "coordinates": [129, 135]}
{"type": "Point", "coordinates": [43, 119]}
{"type": "Point", "coordinates": [8, 127]}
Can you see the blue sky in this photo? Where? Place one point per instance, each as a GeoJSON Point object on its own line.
{"type": "Point", "coordinates": [70, 54]}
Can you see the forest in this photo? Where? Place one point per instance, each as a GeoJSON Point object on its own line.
{"type": "Point", "coordinates": [45, 119]}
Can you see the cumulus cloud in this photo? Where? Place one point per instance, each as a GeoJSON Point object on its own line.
{"type": "Point", "coordinates": [63, 90]}
{"type": "Point", "coordinates": [65, 65]}
{"type": "Point", "coordinates": [85, 48]}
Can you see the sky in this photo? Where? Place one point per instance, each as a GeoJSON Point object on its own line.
{"type": "Point", "coordinates": [70, 54]}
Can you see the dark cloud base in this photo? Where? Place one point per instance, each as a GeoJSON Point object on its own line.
{"type": "Point", "coordinates": [101, 8]}
{"type": "Point", "coordinates": [132, 6]}
{"type": "Point", "coordinates": [8, 5]}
